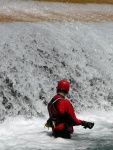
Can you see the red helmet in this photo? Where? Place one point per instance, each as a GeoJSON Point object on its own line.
{"type": "Point", "coordinates": [63, 85]}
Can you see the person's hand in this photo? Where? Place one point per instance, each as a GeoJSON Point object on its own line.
{"type": "Point", "coordinates": [86, 124]}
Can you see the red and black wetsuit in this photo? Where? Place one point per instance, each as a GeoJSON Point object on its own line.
{"type": "Point", "coordinates": [61, 109]}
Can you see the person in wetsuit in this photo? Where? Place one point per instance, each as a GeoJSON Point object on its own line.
{"type": "Point", "coordinates": [62, 116]}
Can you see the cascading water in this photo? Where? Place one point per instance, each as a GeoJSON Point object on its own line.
{"type": "Point", "coordinates": [32, 63]}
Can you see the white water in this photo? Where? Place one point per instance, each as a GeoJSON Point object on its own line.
{"type": "Point", "coordinates": [22, 134]}
{"type": "Point", "coordinates": [33, 57]}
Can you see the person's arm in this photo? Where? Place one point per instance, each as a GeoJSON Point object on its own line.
{"type": "Point", "coordinates": [67, 114]}
{"type": "Point", "coordinates": [71, 116]}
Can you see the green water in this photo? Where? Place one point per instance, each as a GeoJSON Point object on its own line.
{"type": "Point", "coordinates": [96, 140]}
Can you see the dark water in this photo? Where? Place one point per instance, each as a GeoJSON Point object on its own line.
{"type": "Point", "coordinates": [96, 139]}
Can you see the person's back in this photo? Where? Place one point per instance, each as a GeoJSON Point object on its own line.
{"type": "Point", "coordinates": [56, 110]}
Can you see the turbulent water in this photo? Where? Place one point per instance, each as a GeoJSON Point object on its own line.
{"type": "Point", "coordinates": [29, 134]}
{"type": "Point", "coordinates": [33, 57]}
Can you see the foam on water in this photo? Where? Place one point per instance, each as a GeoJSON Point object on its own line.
{"type": "Point", "coordinates": [22, 134]}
